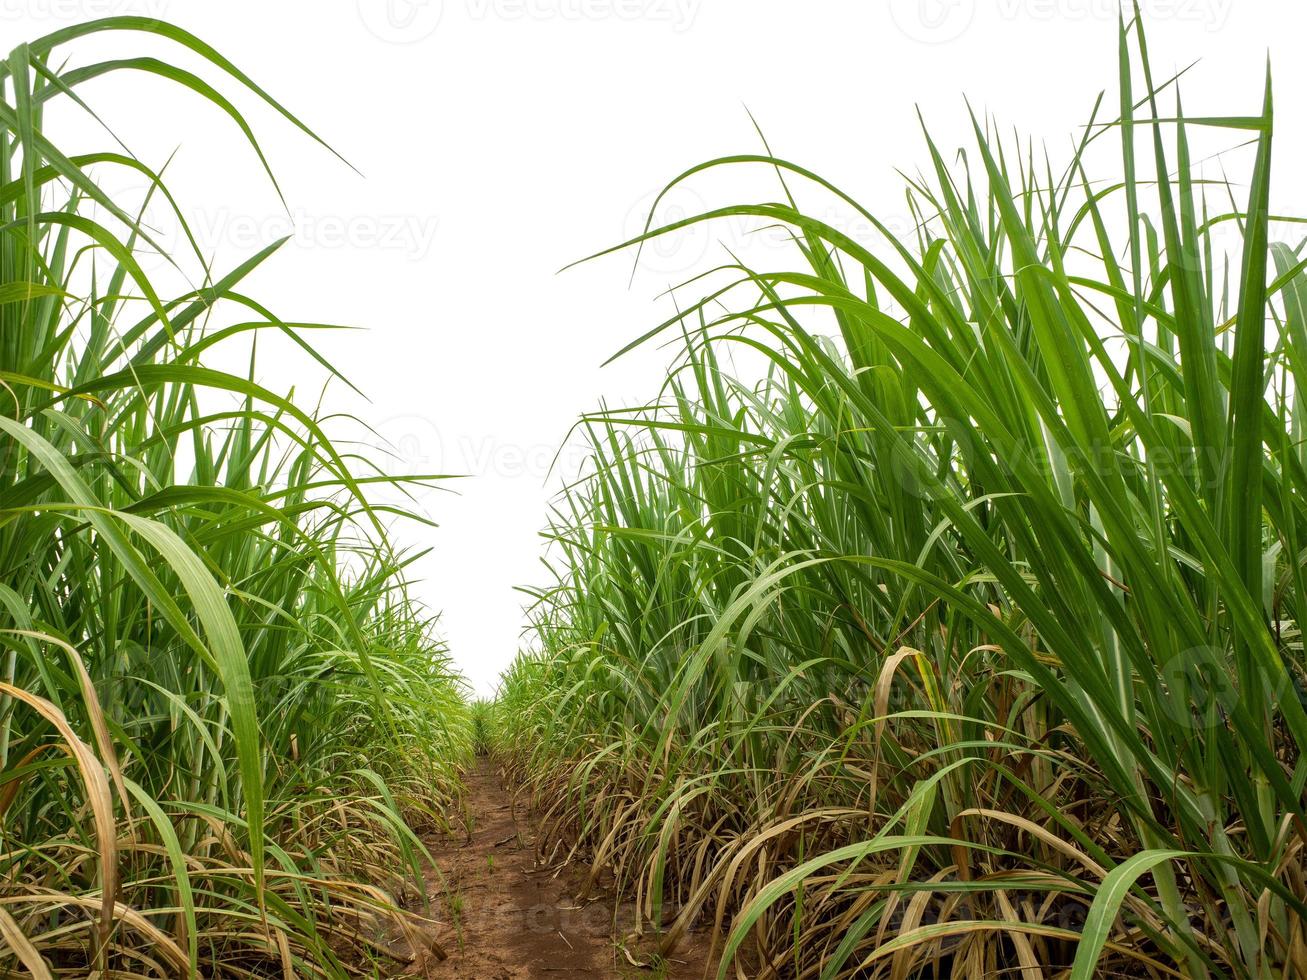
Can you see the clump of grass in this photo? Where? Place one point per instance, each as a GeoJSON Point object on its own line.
{"type": "Point", "coordinates": [222, 716]}
{"type": "Point", "coordinates": [965, 640]}
{"type": "Point", "coordinates": [480, 717]}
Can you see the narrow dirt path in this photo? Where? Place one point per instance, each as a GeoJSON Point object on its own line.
{"type": "Point", "coordinates": [504, 918]}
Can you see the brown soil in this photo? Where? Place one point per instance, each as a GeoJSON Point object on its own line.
{"type": "Point", "coordinates": [504, 917]}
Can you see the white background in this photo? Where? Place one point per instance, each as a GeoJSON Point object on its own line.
{"type": "Point", "coordinates": [498, 140]}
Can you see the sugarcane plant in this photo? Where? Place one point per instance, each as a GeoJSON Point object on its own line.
{"type": "Point", "coordinates": [961, 635]}
{"type": "Point", "coordinates": [222, 715]}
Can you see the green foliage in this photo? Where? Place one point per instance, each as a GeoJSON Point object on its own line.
{"type": "Point", "coordinates": [966, 639]}
{"type": "Point", "coordinates": [197, 595]}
